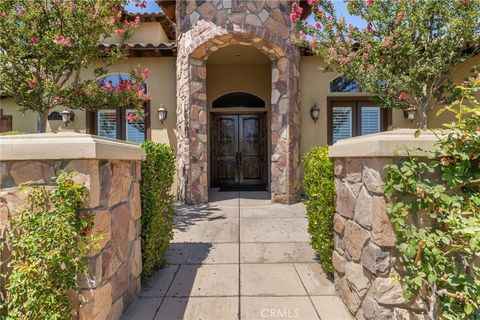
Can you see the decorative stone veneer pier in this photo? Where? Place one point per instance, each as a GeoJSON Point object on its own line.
{"type": "Point", "coordinates": [111, 172]}
{"type": "Point", "coordinates": [365, 258]}
{"type": "Point", "coordinates": [206, 26]}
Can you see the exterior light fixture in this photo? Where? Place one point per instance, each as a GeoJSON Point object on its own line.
{"type": "Point", "coordinates": [409, 113]}
{"type": "Point", "coordinates": [67, 116]}
{"type": "Point", "coordinates": [162, 113]}
{"type": "Point", "coordinates": [315, 112]}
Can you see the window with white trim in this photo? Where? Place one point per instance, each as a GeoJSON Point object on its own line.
{"type": "Point", "coordinates": [350, 117]}
{"type": "Point", "coordinates": [119, 123]}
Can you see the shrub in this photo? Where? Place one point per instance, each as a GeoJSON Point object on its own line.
{"type": "Point", "coordinates": [319, 185]}
{"type": "Point", "coordinates": [436, 215]}
{"type": "Point", "coordinates": [157, 205]}
{"type": "Point", "coordinates": [48, 243]}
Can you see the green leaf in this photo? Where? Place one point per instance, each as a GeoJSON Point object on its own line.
{"type": "Point", "coordinates": [468, 308]}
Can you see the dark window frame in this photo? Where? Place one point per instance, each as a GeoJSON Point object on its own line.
{"type": "Point", "coordinates": [353, 102]}
{"type": "Point", "coordinates": [92, 125]}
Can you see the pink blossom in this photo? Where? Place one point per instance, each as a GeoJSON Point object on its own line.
{"type": "Point", "coordinates": [369, 2]}
{"type": "Point", "coordinates": [399, 17]}
{"type": "Point", "coordinates": [32, 84]}
{"type": "Point", "coordinates": [124, 85]}
{"type": "Point", "coordinates": [332, 51]}
{"type": "Point", "coordinates": [71, 5]}
{"type": "Point", "coordinates": [296, 12]}
{"type": "Point", "coordinates": [34, 40]}
{"type": "Point", "coordinates": [146, 73]}
{"type": "Point", "coordinates": [140, 4]}
{"type": "Point", "coordinates": [119, 32]}
{"type": "Point", "coordinates": [130, 117]}
{"type": "Point", "coordinates": [442, 101]}
{"type": "Point", "coordinates": [63, 41]}
{"type": "Point", "coordinates": [318, 25]}
{"type": "Point", "coordinates": [20, 11]}
{"type": "Point", "coordinates": [3, 14]}
{"type": "Point", "coordinates": [402, 96]}
{"type": "Point", "coordinates": [313, 2]}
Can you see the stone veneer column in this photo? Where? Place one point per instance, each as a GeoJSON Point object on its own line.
{"type": "Point", "coordinates": [111, 172]}
{"type": "Point", "coordinates": [206, 26]}
{"type": "Point", "coordinates": [365, 258]}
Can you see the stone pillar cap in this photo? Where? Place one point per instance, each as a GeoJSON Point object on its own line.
{"type": "Point", "coordinates": [384, 144]}
{"type": "Point", "coordinates": [66, 145]}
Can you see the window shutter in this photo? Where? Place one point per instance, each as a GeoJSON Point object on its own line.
{"type": "Point", "coordinates": [341, 123]}
{"type": "Point", "coordinates": [370, 120]}
{"type": "Point", "coordinates": [107, 123]}
{"type": "Point", "coordinates": [135, 130]}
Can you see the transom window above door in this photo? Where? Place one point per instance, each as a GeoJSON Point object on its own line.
{"type": "Point", "coordinates": [238, 99]}
{"type": "Point", "coordinates": [355, 117]}
{"type": "Point", "coordinates": [119, 123]}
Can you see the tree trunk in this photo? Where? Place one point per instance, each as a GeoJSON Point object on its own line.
{"type": "Point", "coordinates": [422, 114]}
{"type": "Point", "coordinates": [42, 122]}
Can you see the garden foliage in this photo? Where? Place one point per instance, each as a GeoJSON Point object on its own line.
{"type": "Point", "coordinates": [157, 205]}
{"type": "Point", "coordinates": [436, 215]}
{"type": "Point", "coordinates": [46, 47]}
{"type": "Point", "coordinates": [47, 241]}
{"type": "Point", "coordinates": [319, 185]}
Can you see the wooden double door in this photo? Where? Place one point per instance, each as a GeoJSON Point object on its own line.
{"type": "Point", "coordinates": [238, 150]}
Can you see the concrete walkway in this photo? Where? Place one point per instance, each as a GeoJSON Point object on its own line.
{"type": "Point", "coordinates": [240, 257]}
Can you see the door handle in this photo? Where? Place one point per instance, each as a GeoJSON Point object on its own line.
{"type": "Point", "coordinates": [238, 159]}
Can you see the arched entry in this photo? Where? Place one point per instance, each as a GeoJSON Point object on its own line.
{"type": "Point", "coordinates": [192, 113]}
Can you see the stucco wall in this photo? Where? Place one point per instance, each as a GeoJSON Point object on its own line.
{"type": "Point", "coordinates": [147, 32]}
{"type": "Point", "coordinates": [161, 87]}
{"type": "Point", "coordinates": [256, 79]}
{"type": "Point", "coordinates": [461, 71]}
{"type": "Point", "coordinates": [253, 78]}
{"type": "Point", "coordinates": [315, 88]}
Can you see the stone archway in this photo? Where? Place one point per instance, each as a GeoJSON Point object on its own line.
{"type": "Point", "coordinates": [194, 48]}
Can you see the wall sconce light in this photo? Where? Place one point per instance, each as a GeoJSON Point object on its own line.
{"type": "Point", "coordinates": [162, 113]}
{"type": "Point", "coordinates": [409, 113]}
{"type": "Point", "coordinates": [67, 116]}
{"type": "Point", "coordinates": [315, 112]}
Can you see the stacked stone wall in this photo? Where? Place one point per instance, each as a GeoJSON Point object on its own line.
{"type": "Point", "coordinates": [114, 268]}
{"type": "Point", "coordinates": [365, 259]}
{"type": "Point", "coordinates": [205, 27]}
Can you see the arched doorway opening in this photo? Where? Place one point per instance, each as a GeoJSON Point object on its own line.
{"type": "Point", "coordinates": [238, 101]}
{"type": "Point", "coordinates": [193, 113]}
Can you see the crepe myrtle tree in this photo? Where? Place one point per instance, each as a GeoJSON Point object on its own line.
{"type": "Point", "coordinates": [405, 55]}
{"type": "Point", "coordinates": [45, 45]}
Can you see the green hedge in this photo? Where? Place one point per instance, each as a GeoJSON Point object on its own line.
{"type": "Point", "coordinates": [319, 185]}
{"type": "Point", "coordinates": [157, 205]}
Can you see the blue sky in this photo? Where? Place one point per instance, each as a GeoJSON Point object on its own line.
{"type": "Point", "coordinates": [151, 7]}
{"type": "Point", "coordinates": [340, 7]}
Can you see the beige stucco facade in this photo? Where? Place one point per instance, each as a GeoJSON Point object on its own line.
{"type": "Point", "coordinates": [232, 67]}
{"type": "Point", "coordinates": [225, 78]}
